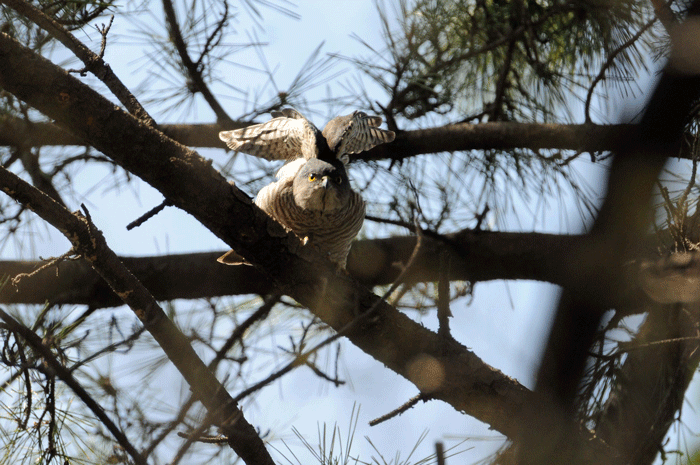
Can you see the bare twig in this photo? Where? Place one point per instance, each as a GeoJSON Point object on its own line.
{"type": "Point", "coordinates": [609, 62]}
{"type": "Point", "coordinates": [148, 215]}
{"type": "Point", "coordinates": [205, 439]}
{"type": "Point", "coordinates": [443, 307]}
{"type": "Point", "coordinates": [41, 180]}
{"type": "Point", "coordinates": [398, 411]}
{"type": "Point", "coordinates": [65, 375]}
{"type": "Point", "coordinates": [93, 63]}
{"type": "Point", "coordinates": [51, 262]}
{"type": "Point", "coordinates": [90, 243]}
{"type": "Point", "coordinates": [194, 70]}
{"type": "Point", "coordinates": [104, 30]}
{"type": "Point", "coordinates": [440, 453]}
{"type": "Point", "coordinates": [237, 334]}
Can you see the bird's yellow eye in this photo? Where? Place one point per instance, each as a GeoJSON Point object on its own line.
{"type": "Point", "coordinates": [312, 177]}
{"type": "Point", "coordinates": [338, 180]}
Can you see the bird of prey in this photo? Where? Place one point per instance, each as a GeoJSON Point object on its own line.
{"type": "Point", "coordinates": [312, 196]}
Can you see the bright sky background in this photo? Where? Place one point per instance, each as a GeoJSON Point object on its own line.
{"type": "Point", "coordinates": [505, 324]}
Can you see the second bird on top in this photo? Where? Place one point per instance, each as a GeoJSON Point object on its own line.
{"type": "Point", "coordinates": [312, 196]}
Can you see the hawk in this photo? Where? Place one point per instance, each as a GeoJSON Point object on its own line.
{"type": "Point", "coordinates": [312, 196]}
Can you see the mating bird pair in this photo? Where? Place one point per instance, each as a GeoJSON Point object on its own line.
{"type": "Point", "coordinates": [312, 196]}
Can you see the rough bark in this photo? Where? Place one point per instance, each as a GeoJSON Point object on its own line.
{"type": "Point", "coordinates": [89, 242]}
{"type": "Point", "coordinates": [452, 137]}
{"type": "Point", "coordinates": [480, 256]}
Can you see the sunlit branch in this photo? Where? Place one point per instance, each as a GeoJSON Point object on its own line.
{"type": "Point", "coordinates": [89, 242]}
{"type": "Point", "coordinates": [451, 137]}
{"type": "Point", "coordinates": [93, 63]}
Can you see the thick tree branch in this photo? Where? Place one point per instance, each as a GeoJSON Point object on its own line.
{"type": "Point", "coordinates": [452, 137]}
{"type": "Point", "coordinates": [90, 243]}
{"type": "Point", "coordinates": [189, 181]}
{"type": "Point", "coordinates": [482, 256]}
{"type": "Point", "coordinates": [93, 62]}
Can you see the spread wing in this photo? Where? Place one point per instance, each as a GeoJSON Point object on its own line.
{"type": "Point", "coordinates": [355, 133]}
{"type": "Point", "coordinates": [285, 137]}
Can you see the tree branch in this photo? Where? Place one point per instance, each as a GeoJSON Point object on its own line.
{"type": "Point", "coordinates": [93, 62]}
{"type": "Point", "coordinates": [90, 243]}
{"type": "Point", "coordinates": [482, 256]}
{"type": "Point", "coordinates": [194, 71]}
{"type": "Point", "coordinates": [67, 377]}
{"type": "Point", "coordinates": [452, 137]}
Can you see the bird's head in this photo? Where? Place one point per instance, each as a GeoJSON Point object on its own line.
{"type": "Point", "coordinates": [321, 185]}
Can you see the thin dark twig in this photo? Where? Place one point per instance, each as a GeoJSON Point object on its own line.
{"type": "Point", "coordinates": [426, 232]}
{"type": "Point", "coordinates": [65, 375]}
{"type": "Point", "coordinates": [184, 410]}
{"type": "Point", "coordinates": [27, 382]}
{"type": "Point", "coordinates": [299, 359]}
{"type": "Point", "coordinates": [193, 71]}
{"type": "Point", "coordinates": [440, 453]}
{"type": "Point", "coordinates": [110, 348]}
{"type": "Point", "coordinates": [398, 411]}
{"type": "Point", "coordinates": [196, 435]}
{"type": "Point", "coordinates": [191, 438]}
{"type": "Point", "coordinates": [502, 83]}
{"type": "Point", "coordinates": [237, 334]}
{"type": "Point", "coordinates": [210, 40]}
{"type": "Point", "coordinates": [148, 215]}
{"type": "Point", "coordinates": [443, 307]}
{"type": "Point", "coordinates": [481, 217]}
{"type": "Point", "coordinates": [608, 63]}
{"type": "Point", "coordinates": [104, 30]}
{"type": "Point", "coordinates": [337, 382]}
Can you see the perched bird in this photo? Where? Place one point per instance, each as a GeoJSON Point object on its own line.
{"type": "Point", "coordinates": [312, 196]}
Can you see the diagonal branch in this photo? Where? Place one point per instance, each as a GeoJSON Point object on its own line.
{"type": "Point", "coordinates": [90, 243]}
{"type": "Point", "coordinates": [93, 63]}
{"type": "Point", "coordinates": [67, 377]}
